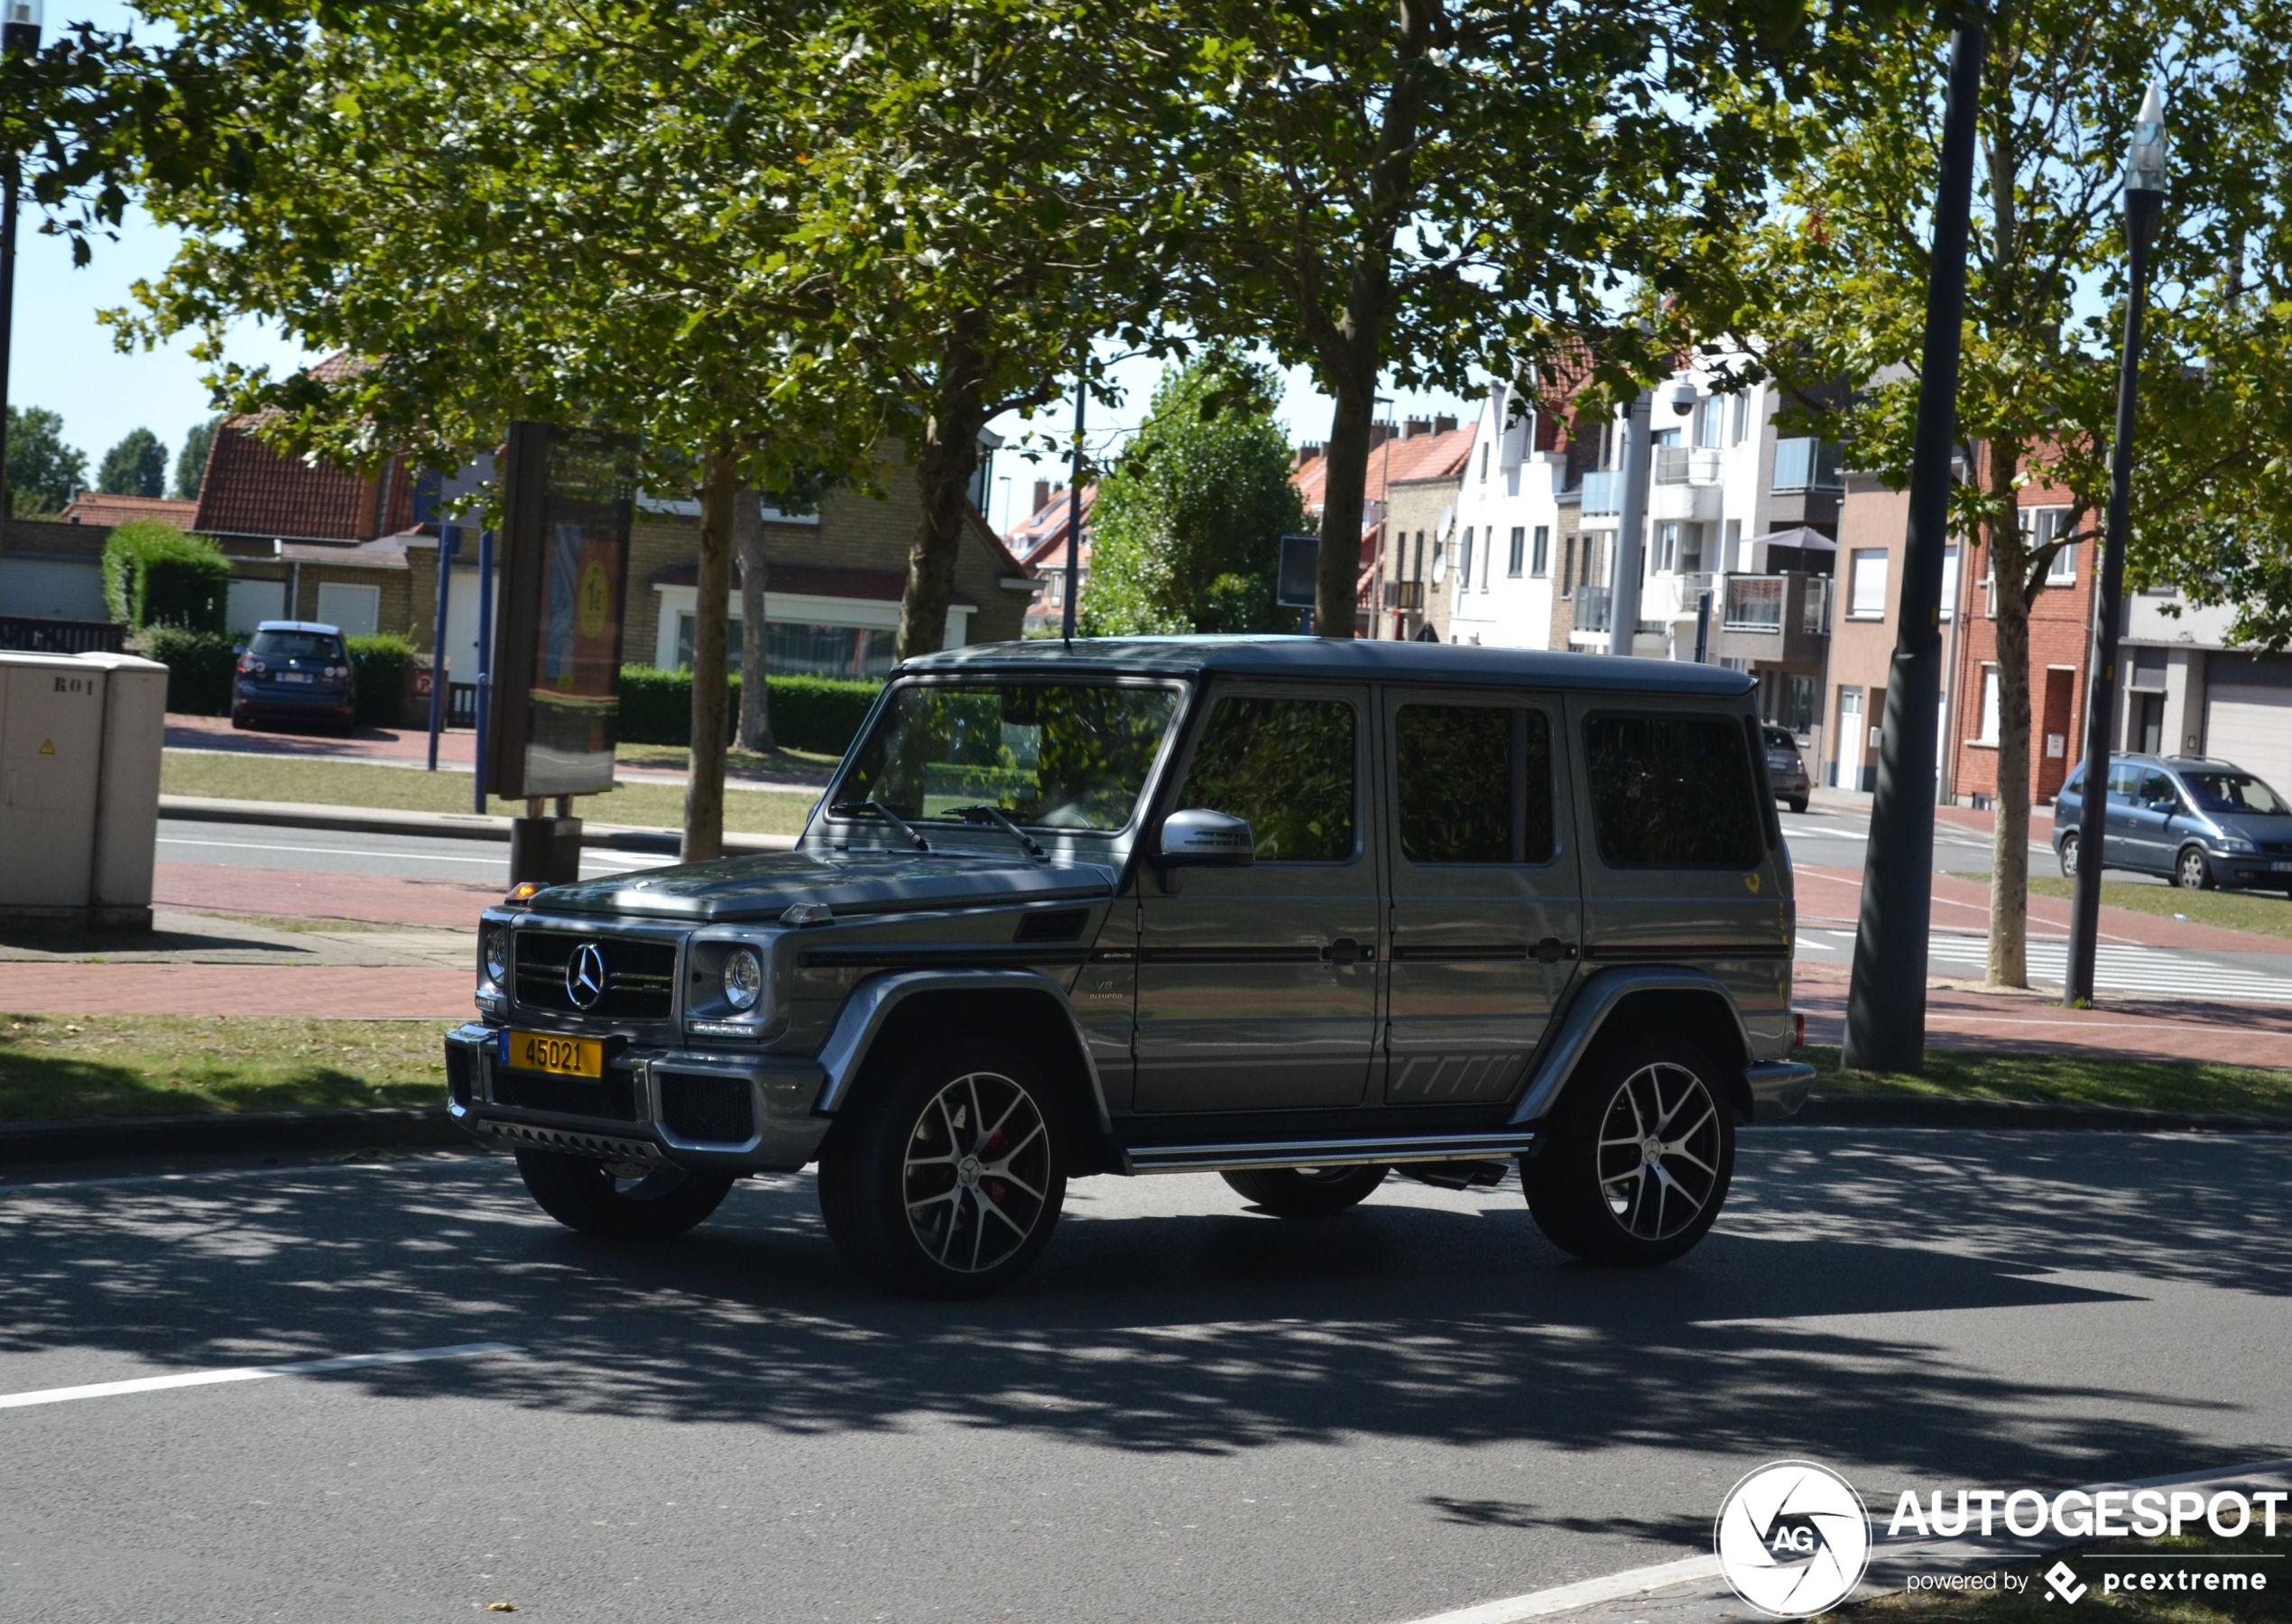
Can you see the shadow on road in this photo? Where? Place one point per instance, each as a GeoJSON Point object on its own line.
{"type": "Point", "coordinates": [1217, 1331]}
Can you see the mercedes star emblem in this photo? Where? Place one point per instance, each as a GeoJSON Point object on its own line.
{"type": "Point", "coordinates": [585, 975]}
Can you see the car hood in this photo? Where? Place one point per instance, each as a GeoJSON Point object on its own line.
{"type": "Point", "coordinates": [2252, 825]}
{"type": "Point", "coordinates": [849, 883]}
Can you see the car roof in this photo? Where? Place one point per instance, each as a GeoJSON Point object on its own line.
{"type": "Point", "coordinates": [1359, 659]}
{"type": "Point", "coordinates": [298, 627]}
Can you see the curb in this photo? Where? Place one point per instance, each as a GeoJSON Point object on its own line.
{"type": "Point", "coordinates": [458, 825]}
{"type": "Point", "coordinates": [1924, 1111]}
{"type": "Point", "coordinates": [35, 1144]}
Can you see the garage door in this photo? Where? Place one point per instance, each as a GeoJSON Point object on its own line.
{"type": "Point", "coordinates": [52, 588]}
{"type": "Point", "coordinates": [2248, 714]}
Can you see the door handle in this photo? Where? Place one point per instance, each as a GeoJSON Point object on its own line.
{"type": "Point", "coordinates": [1551, 950]}
{"type": "Point", "coordinates": [1345, 950]}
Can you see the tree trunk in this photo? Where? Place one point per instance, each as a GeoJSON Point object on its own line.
{"type": "Point", "coordinates": [2008, 963]}
{"type": "Point", "coordinates": [755, 693]}
{"type": "Point", "coordinates": [1336, 588]}
{"type": "Point", "coordinates": [704, 791]}
{"type": "Point", "coordinates": [944, 464]}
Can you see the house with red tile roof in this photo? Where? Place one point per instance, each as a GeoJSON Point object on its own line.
{"type": "Point", "coordinates": [1399, 453]}
{"type": "Point", "coordinates": [1041, 544]}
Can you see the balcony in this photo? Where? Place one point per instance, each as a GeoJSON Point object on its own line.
{"type": "Point", "coordinates": [1781, 620]}
{"type": "Point", "coordinates": [1407, 597]}
{"type": "Point", "coordinates": [1594, 607]}
{"type": "Point", "coordinates": [1603, 492]}
{"type": "Point", "coordinates": [1685, 465]}
{"type": "Point", "coordinates": [1806, 463]}
{"type": "Point", "coordinates": [1753, 603]}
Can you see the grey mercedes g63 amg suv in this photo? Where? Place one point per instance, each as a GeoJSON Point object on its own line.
{"type": "Point", "coordinates": [1300, 912]}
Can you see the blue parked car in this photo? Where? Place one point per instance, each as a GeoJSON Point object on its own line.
{"type": "Point", "coordinates": [295, 671]}
{"type": "Point", "coordinates": [2201, 823]}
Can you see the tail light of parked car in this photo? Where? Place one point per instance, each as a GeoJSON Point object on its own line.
{"type": "Point", "coordinates": [251, 667]}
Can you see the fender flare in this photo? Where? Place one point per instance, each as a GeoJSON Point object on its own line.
{"type": "Point", "coordinates": [1595, 999]}
{"type": "Point", "coordinates": [873, 1000]}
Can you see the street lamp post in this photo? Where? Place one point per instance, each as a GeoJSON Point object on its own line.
{"type": "Point", "coordinates": [1886, 1000]}
{"type": "Point", "coordinates": [2144, 203]}
{"type": "Point", "coordinates": [19, 36]}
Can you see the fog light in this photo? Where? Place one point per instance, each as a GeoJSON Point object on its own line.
{"type": "Point", "coordinates": [743, 978]}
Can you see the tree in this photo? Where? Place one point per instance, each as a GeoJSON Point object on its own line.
{"type": "Point", "coordinates": [136, 466]}
{"type": "Point", "coordinates": [190, 463]}
{"type": "Point", "coordinates": [1434, 190]}
{"type": "Point", "coordinates": [43, 473]}
{"type": "Point", "coordinates": [1835, 288]}
{"type": "Point", "coordinates": [1185, 533]}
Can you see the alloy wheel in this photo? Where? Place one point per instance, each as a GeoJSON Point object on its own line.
{"type": "Point", "coordinates": [977, 1172]}
{"type": "Point", "coordinates": [1659, 1151]}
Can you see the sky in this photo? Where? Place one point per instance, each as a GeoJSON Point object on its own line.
{"type": "Point", "coordinates": [65, 360]}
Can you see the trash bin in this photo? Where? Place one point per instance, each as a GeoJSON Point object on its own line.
{"type": "Point", "coordinates": [80, 751]}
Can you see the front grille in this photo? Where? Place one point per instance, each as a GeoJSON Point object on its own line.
{"type": "Point", "coordinates": [613, 1097]}
{"type": "Point", "coordinates": [457, 1069]}
{"type": "Point", "coordinates": [715, 1110]}
{"type": "Point", "coordinates": [640, 976]}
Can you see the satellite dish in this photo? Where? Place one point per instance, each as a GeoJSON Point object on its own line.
{"type": "Point", "coordinates": [1440, 567]}
{"type": "Point", "coordinates": [1447, 521]}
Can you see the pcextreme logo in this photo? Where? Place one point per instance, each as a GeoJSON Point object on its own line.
{"type": "Point", "coordinates": [1793, 1538]}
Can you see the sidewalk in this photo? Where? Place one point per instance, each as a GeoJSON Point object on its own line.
{"type": "Point", "coordinates": [1854, 804]}
{"type": "Point", "coordinates": [2011, 1023]}
{"type": "Point", "coordinates": [362, 993]}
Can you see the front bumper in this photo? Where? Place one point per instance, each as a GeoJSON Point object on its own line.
{"type": "Point", "coordinates": [1778, 1088]}
{"type": "Point", "coordinates": [719, 1111]}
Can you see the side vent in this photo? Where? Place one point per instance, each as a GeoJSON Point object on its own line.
{"type": "Point", "coordinates": [1056, 925]}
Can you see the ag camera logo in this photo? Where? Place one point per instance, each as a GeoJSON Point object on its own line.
{"type": "Point", "coordinates": [1793, 1538]}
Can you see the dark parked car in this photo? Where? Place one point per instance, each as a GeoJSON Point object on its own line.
{"type": "Point", "coordinates": [295, 671]}
{"type": "Point", "coordinates": [1786, 767]}
{"type": "Point", "coordinates": [1298, 913]}
{"type": "Point", "coordinates": [2203, 823]}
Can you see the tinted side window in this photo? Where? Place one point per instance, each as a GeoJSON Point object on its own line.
{"type": "Point", "coordinates": [1475, 782]}
{"type": "Point", "coordinates": [1285, 765]}
{"type": "Point", "coordinates": [2156, 787]}
{"type": "Point", "coordinates": [1671, 791]}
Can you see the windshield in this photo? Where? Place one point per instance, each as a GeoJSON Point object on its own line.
{"type": "Point", "coordinates": [295, 645]}
{"type": "Point", "coordinates": [2232, 792]}
{"type": "Point", "coordinates": [1055, 756]}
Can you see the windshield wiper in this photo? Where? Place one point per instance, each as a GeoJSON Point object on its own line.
{"type": "Point", "coordinates": [854, 808]}
{"type": "Point", "coordinates": [979, 816]}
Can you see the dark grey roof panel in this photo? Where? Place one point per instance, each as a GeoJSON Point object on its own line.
{"type": "Point", "coordinates": [1356, 658]}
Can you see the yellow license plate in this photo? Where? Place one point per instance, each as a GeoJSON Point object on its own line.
{"type": "Point", "coordinates": [547, 1052]}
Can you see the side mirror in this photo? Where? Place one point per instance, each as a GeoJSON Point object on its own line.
{"type": "Point", "coordinates": [1199, 837]}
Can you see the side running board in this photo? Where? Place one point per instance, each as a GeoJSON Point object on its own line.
{"type": "Point", "coordinates": [1326, 1153]}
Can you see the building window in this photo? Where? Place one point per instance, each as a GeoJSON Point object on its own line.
{"type": "Point", "coordinates": [1867, 591]}
{"type": "Point", "coordinates": [1691, 549]}
{"type": "Point", "coordinates": [1568, 566]}
{"type": "Point", "coordinates": [1743, 417]}
{"type": "Point", "coordinates": [1512, 560]}
{"type": "Point", "coordinates": [1989, 734]}
{"type": "Point", "coordinates": [1711, 422]}
{"type": "Point", "coordinates": [1796, 703]}
{"type": "Point", "coordinates": [2044, 526]}
{"type": "Point", "coordinates": [1949, 581]}
{"type": "Point", "coordinates": [797, 649]}
{"type": "Point", "coordinates": [1484, 464]}
{"type": "Point", "coordinates": [1464, 558]}
{"type": "Point", "coordinates": [1541, 555]}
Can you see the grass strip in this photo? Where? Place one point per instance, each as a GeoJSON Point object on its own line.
{"type": "Point", "coordinates": [335, 783]}
{"type": "Point", "coordinates": [2269, 1560]}
{"type": "Point", "coordinates": [2072, 1079]}
{"type": "Point", "coordinates": [2265, 913]}
{"type": "Point", "coordinates": [807, 764]}
{"type": "Point", "coordinates": [57, 1067]}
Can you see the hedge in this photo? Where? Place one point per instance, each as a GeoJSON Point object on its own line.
{"type": "Point", "coordinates": [807, 713]}
{"type": "Point", "coordinates": [200, 668]}
{"type": "Point", "coordinates": [156, 576]}
{"type": "Point", "coordinates": [381, 664]}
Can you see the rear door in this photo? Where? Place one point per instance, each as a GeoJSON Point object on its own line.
{"type": "Point", "coordinates": [1485, 911]}
{"type": "Point", "coordinates": [2121, 833]}
{"type": "Point", "coordinates": [1257, 987]}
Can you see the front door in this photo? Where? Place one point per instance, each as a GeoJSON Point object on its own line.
{"type": "Point", "coordinates": [1257, 987]}
{"type": "Point", "coordinates": [1485, 897]}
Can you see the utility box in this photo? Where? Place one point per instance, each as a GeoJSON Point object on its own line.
{"type": "Point", "coordinates": [80, 752]}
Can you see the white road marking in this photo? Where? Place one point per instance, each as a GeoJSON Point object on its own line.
{"type": "Point", "coordinates": [612, 862]}
{"type": "Point", "coordinates": [307, 1367]}
{"type": "Point", "coordinates": [1567, 1598]}
{"type": "Point", "coordinates": [2130, 969]}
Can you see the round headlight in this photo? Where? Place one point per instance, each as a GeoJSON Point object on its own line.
{"type": "Point", "coordinates": [496, 949]}
{"type": "Point", "coordinates": [743, 978]}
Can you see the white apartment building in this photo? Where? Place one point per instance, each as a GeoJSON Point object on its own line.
{"type": "Point", "coordinates": [1733, 509]}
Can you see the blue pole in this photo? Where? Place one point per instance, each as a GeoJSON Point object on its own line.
{"type": "Point", "coordinates": [450, 539]}
{"type": "Point", "coordinates": [485, 655]}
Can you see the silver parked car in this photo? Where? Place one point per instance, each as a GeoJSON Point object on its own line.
{"type": "Point", "coordinates": [1786, 767]}
{"type": "Point", "coordinates": [2202, 823]}
{"type": "Point", "coordinates": [1298, 913]}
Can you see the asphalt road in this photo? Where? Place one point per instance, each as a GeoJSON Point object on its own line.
{"type": "Point", "coordinates": [340, 852]}
{"type": "Point", "coordinates": [1188, 1411]}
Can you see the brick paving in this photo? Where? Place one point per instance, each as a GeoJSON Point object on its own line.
{"type": "Point", "coordinates": [305, 894]}
{"type": "Point", "coordinates": [318, 991]}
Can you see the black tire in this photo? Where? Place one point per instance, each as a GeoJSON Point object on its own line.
{"type": "Point", "coordinates": [585, 1194]}
{"type": "Point", "coordinates": [945, 1180]}
{"type": "Point", "coordinates": [2191, 871]}
{"type": "Point", "coordinates": [2068, 856]}
{"type": "Point", "coordinates": [242, 719]}
{"type": "Point", "coordinates": [1590, 1187]}
{"type": "Point", "coordinates": [1797, 805]}
{"type": "Point", "coordinates": [1306, 1192]}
